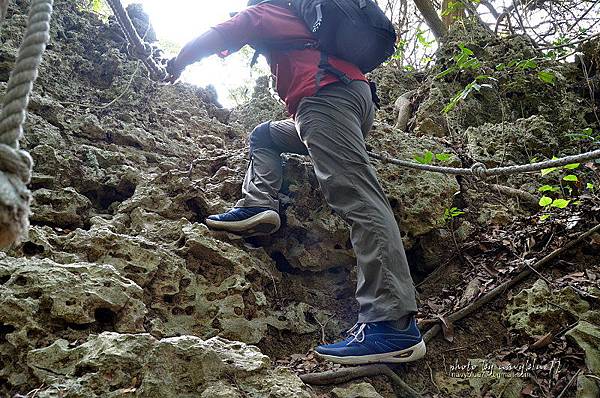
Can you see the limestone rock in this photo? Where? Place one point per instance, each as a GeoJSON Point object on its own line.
{"type": "Point", "coordinates": [359, 390]}
{"type": "Point", "coordinates": [110, 364]}
{"type": "Point", "coordinates": [587, 387]}
{"type": "Point", "coordinates": [587, 336]}
{"type": "Point", "coordinates": [532, 311]}
{"type": "Point", "coordinates": [66, 207]}
{"type": "Point", "coordinates": [513, 143]}
{"type": "Point", "coordinates": [40, 299]}
{"type": "Point", "coordinates": [418, 198]}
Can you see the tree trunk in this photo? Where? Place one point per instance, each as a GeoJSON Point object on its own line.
{"type": "Point", "coordinates": [449, 16]}
{"type": "Point", "coordinates": [432, 18]}
{"type": "Point", "coordinates": [3, 8]}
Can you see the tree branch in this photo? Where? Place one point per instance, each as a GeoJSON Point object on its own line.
{"type": "Point", "coordinates": [432, 18]}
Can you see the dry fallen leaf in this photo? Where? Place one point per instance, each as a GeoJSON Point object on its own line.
{"type": "Point", "coordinates": [542, 341]}
{"type": "Point", "coordinates": [447, 329]}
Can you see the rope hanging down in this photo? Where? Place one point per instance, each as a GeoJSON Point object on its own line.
{"type": "Point", "coordinates": [479, 170]}
{"type": "Point", "coordinates": [16, 164]}
{"type": "Point", "coordinates": [138, 48]}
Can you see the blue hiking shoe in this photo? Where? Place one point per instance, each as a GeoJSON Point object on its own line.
{"type": "Point", "coordinates": [246, 221]}
{"type": "Point", "coordinates": [376, 342]}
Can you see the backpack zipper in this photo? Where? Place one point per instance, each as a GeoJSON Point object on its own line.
{"type": "Point", "coordinates": [319, 20]}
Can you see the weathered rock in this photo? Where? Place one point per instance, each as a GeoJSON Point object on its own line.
{"type": "Point", "coordinates": [587, 336]}
{"type": "Point", "coordinates": [513, 143]}
{"type": "Point", "coordinates": [65, 208]}
{"type": "Point", "coordinates": [261, 108]}
{"type": "Point", "coordinates": [359, 390]}
{"type": "Point", "coordinates": [113, 364]}
{"type": "Point", "coordinates": [40, 299]}
{"type": "Point", "coordinates": [483, 376]}
{"type": "Point", "coordinates": [587, 387]}
{"type": "Point", "coordinates": [418, 198]}
{"type": "Point", "coordinates": [536, 311]}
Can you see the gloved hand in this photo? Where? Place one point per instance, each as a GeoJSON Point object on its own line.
{"type": "Point", "coordinates": [174, 71]}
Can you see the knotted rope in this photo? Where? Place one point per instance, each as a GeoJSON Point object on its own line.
{"type": "Point", "coordinates": [16, 164]}
{"type": "Point", "coordinates": [137, 47]}
{"type": "Point", "coordinates": [480, 170]}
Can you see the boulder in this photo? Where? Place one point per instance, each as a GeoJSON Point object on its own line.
{"type": "Point", "coordinates": [113, 364]}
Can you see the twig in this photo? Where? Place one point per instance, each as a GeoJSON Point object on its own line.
{"type": "Point", "coordinates": [519, 193]}
{"type": "Point", "coordinates": [431, 376]}
{"type": "Point", "coordinates": [323, 325]}
{"type": "Point", "coordinates": [592, 376]}
{"type": "Point", "coordinates": [569, 384]}
{"type": "Point", "coordinates": [497, 291]}
{"type": "Point", "coordinates": [571, 43]}
{"type": "Point", "coordinates": [346, 374]}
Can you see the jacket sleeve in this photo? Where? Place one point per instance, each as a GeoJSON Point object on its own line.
{"type": "Point", "coordinates": [225, 38]}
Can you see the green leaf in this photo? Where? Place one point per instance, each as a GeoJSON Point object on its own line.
{"type": "Point", "coordinates": [443, 157]}
{"type": "Point", "coordinates": [545, 217]}
{"type": "Point", "coordinates": [571, 177]}
{"type": "Point", "coordinates": [572, 166]}
{"type": "Point", "coordinates": [445, 72]}
{"type": "Point", "coordinates": [464, 49]}
{"type": "Point", "coordinates": [590, 186]}
{"type": "Point", "coordinates": [451, 213]}
{"type": "Point", "coordinates": [526, 64]}
{"type": "Point", "coordinates": [545, 201]}
{"type": "Point", "coordinates": [427, 158]}
{"type": "Point", "coordinates": [547, 188]}
{"type": "Point", "coordinates": [548, 171]}
{"type": "Point", "coordinates": [547, 77]}
{"type": "Point", "coordinates": [560, 203]}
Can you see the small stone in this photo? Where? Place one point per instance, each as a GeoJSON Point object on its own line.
{"type": "Point", "coordinates": [360, 390]}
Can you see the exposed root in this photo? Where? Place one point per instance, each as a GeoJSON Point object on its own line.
{"type": "Point", "coordinates": [346, 374]}
{"type": "Point", "coordinates": [492, 294]}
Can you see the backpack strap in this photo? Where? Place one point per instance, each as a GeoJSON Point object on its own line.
{"type": "Point", "coordinates": [282, 45]}
{"type": "Point", "coordinates": [325, 66]}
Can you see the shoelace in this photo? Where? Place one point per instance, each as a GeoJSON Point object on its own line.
{"type": "Point", "coordinates": [359, 336]}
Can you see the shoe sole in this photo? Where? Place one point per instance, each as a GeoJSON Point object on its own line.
{"type": "Point", "coordinates": [264, 223]}
{"type": "Point", "coordinates": [411, 354]}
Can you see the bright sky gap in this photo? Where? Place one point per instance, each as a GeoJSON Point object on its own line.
{"type": "Point", "coordinates": [178, 21]}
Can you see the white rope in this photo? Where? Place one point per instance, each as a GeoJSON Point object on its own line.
{"type": "Point", "coordinates": [16, 164]}
{"type": "Point", "coordinates": [480, 170]}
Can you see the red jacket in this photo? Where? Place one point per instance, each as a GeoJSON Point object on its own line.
{"type": "Point", "coordinates": [296, 71]}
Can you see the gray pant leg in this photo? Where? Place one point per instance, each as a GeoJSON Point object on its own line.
{"type": "Point", "coordinates": [264, 175]}
{"type": "Point", "coordinates": [332, 125]}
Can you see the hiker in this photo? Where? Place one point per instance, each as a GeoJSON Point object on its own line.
{"type": "Point", "coordinates": [332, 110]}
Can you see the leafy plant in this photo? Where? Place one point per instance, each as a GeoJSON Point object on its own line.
{"type": "Point", "coordinates": [452, 213]}
{"type": "Point", "coordinates": [560, 190]}
{"type": "Point", "coordinates": [547, 76]}
{"type": "Point", "coordinates": [422, 39]}
{"type": "Point", "coordinates": [443, 157]}
{"type": "Point", "coordinates": [586, 134]}
{"type": "Point", "coordinates": [464, 93]}
{"type": "Point", "coordinates": [426, 158]}
{"type": "Point", "coordinates": [463, 61]}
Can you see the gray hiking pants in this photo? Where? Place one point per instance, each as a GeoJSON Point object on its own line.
{"type": "Point", "coordinates": [331, 127]}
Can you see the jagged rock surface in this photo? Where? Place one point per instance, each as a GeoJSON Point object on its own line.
{"type": "Point", "coordinates": [125, 173]}
{"type": "Point", "coordinates": [113, 364]}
